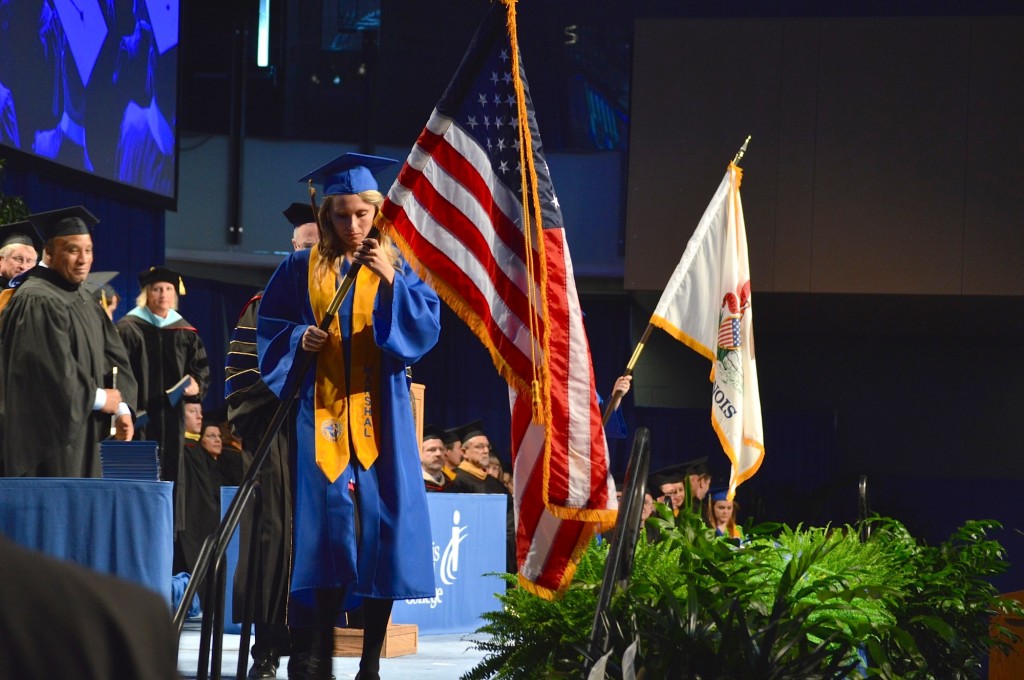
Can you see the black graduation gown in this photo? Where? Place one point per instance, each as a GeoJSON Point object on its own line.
{"type": "Point", "coordinates": [160, 357]}
{"type": "Point", "coordinates": [251, 406]}
{"type": "Point", "coordinates": [61, 620]}
{"type": "Point", "coordinates": [57, 346]}
{"type": "Point", "coordinates": [468, 482]}
{"type": "Point", "coordinates": [198, 487]}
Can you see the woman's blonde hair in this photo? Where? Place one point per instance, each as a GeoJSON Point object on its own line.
{"type": "Point", "coordinates": [140, 301]}
{"type": "Point", "coordinates": [330, 247]}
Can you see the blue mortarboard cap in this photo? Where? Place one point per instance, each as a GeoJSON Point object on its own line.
{"type": "Point", "coordinates": [299, 213]}
{"type": "Point", "coordinates": [64, 222]}
{"type": "Point", "coordinates": [719, 495]}
{"type": "Point", "coordinates": [349, 173]}
{"type": "Point", "coordinates": [20, 232]}
{"type": "Point", "coordinates": [86, 29]}
{"type": "Point", "coordinates": [163, 17]}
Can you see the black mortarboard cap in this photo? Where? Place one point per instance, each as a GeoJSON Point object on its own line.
{"type": "Point", "coordinates": [71, 221]}
{"type": "Point", "coordinates": [669, 475]}
{"type": "Point", "coordinates": [470, 430]}
{"type": "Point", "coordinates": [349, 173]}
{"type": "Point", "coordinates": [452, 435]}
{"type": "Point", "coordinates": [98, 284]}
{"type": "Point", "coordinates": [697, 466]}
{"type": "Point", "coordinates": [161, 274]}
{"type": "Point", "coordinates": [676, 473]}
{"type": "Point", "coordinates": [299, 213]}
{"type": "Point", "coordinates": [20, 232]}
{"type": "Point", "coordinates": [432, 432]}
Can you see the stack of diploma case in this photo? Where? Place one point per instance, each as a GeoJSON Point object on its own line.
{"type": "Point", "coordinates": [129, 460]}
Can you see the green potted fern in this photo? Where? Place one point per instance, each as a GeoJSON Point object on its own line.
{"type": "Point", "coordinates": [787, 603]}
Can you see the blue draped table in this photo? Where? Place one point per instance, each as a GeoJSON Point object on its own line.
{"type": "Point", "coordinates": [119, 527]}
{"type": "Point", "coordinates": [468, 535]}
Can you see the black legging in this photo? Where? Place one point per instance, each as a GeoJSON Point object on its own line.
{"type": "Point", "coordinates": [376, 614]}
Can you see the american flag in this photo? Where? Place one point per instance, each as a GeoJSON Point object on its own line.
{"type": "Point", "coordinates": [457, 212]}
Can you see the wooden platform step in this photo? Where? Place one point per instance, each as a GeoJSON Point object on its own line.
{"type": "Point", "coordinates": [401, 640]}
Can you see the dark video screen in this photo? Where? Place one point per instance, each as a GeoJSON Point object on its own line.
{"type": "Point", "coordinates": [91, 86]}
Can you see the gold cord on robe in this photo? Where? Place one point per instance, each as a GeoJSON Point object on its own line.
{"type": "Point", "coordinates": [346, 410]}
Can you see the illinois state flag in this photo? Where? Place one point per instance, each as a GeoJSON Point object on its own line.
{"type": "Point", "coordinates": [475, 212]}
{"type": "Point", "coordinates": [707, 306]}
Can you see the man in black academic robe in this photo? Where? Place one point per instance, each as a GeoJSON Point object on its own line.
{"type": "Point", "coordinates": [58, 351]}
{"type": "Point", "coordinates": [432, 450]}
{"type": "Point", "coordinates": [471, 477]}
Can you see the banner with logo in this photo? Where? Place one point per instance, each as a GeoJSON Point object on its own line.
{"type": "Point", "coordinates": [468, 533]}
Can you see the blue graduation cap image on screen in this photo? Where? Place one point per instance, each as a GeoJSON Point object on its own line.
{"type": "Point", "coordinates": [85, 29]}
{"type": "Point", "coordinates": [163, 17]}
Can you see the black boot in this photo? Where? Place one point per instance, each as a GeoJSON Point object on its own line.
{"type": "Point", "coordinates": [306, 666]}
{"type": "Point", "coordinates": [264, 667]}
{"type": "Point", "coordinates": [376, 614]}
{"type": "Point", "coordinates": [270, 643]}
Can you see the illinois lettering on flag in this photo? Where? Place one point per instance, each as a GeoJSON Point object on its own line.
{"type": "Point", "coordinates": [707, 306]}
{"type": "Point", "coordinates": [475, 212]}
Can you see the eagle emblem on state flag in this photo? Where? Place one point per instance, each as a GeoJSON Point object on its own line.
{"type": "Point", "coordinates": [730, 325]}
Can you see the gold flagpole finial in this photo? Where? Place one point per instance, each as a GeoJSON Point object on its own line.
{"type": "Point", "coordinates": [743, 150]}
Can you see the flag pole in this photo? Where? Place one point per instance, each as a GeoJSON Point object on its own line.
{"type": "Point", "coordinates": [616, 398]}
{"type": "Point", "coordinates": [617, 395]}
{"type": "Point", "coordinates": [743, 149]}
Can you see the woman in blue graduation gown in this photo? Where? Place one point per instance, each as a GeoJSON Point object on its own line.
{"type": "Point", "coordinates": [361, 531]}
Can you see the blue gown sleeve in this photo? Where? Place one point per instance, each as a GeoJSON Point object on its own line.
{"type": "Point", "coordinates": [284, 314]}
{"type": "Point", "coordinates": [615, 428]}
{"type": "Point", "coordinates": [407, 316]}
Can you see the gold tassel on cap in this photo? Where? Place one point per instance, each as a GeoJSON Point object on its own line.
{"type": "Point", "coordinates": [181, 286]}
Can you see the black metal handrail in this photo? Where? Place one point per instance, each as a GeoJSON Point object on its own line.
{"type": "Point", "coordinates": [619, 565]}
{"type": "Point", "coordinates": [864, 508]}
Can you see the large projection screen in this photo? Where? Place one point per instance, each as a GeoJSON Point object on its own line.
{"type": "Point", "coordinates": [88, 92]}
{"type": "Point", "coordinates": [885, 153]}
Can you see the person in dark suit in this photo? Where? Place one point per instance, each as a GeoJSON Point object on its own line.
{"type": "Point", "coordinates": [60, 620]}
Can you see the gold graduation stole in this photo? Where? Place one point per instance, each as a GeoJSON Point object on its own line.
{"type": "Point", "coordinates": [346, 410]}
